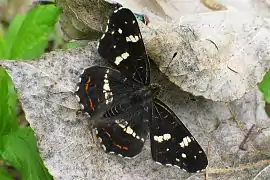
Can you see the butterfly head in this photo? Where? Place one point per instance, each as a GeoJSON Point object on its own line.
{"type": "Point", "coordinates": [155, 89]}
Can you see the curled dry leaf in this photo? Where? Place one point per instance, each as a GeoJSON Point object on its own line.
{"type": "Point", "coordinates": [83, 19]}
{"type": "Point", "coordinates": [46, 89]}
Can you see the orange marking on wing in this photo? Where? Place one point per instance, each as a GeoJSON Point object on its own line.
{"type": "Point", "coordinates": [106, 132]}
{"type": "Point", "coordinates": [87, 84]}
{"type": "Point", "coordinates": [125, 148]}
{"type": "Point", "coordinates": [121, 147]}
{"type": "Point", "coordinates": [117, 145]}
{"type": "Point", "coordinates": [91, 104]}
{"type": "Point", "coordinates": [86, 88]}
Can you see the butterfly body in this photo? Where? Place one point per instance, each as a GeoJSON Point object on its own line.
{"type": "Point", "coordinates": [125, 103]}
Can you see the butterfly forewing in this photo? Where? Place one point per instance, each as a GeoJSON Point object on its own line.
{"type": "Point", "coordinates": [122, 46]}
{"type": "Point", "coordinates": [171, 141]}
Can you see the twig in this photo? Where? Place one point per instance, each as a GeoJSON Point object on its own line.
{"type": "Point", "coordinates": [213, 43]}
{"type": "Point", "coordinates": [208, 154]}
{"type": "Point", "coordinates": [238, 168]}
{"type": "Point", "coordinates": [241, 146]}
{"type": "Point", "coordinates": [232, 70]}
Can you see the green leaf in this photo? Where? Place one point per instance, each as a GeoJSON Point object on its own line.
{"type": "Point", "coordinates": [8, 104]}
{"type": "Point", "coordinates": [4, 175]}
{"type": "Point", "coordinates": [28, 37]}
{"type": "Point", "coordinates": [264, 87]}
{"type": "Point", "coordinates": [19, 149]}
{"type": "Point", "coordinates": [2, 48]}
{"type": "Point", "coordinates": [11, 34]}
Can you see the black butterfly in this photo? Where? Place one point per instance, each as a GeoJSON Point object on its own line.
{"type": "Point", "coordinates": [126, 105]}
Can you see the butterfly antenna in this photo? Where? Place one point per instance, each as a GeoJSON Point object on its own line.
{"type": "Point", "coordinates": [167, 68]}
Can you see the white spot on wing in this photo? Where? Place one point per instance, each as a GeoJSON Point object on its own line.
{"type": "Point", "coordinates": [122, 125]}
{"type": "Point", "coordinates": [120, 31]}
{"type": "Point", "coordinates": [118, 9]}
{"type": "Point", "coordinates": [118, 60]}
{"type": "Point", "coordinates": [132, 38]}
{"type": "Point", "coordinates": [184, 155]}
{"type": "Point", "coordinates": [106, 87]}
{"type": "Point", "coordinates": [182, 144]}
{"type": "Point", "coordinates": [136, 38]}
{"type": "Point", "coordinates": [102, 36]}
{"type": "Point", "coordinates": [185, 142]}
{"type": "Point", "coordinates": [160, 139]}
{"type": "Point", "coordinates": [125, 55]}
{"type": "Point", "coordinates": [129, 130]}
{"type": "Point", "coordinates": [166, 137]}
{"type": "Point", "coordinates": [128, 39]}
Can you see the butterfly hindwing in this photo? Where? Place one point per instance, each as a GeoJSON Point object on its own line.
{"type": "Point", "coordinates": [171, 141]}
{"type": "Point", "coordinates": [122, 46]}
{"type": "Point", "coordinates": [126, 136]}
{"type": "Point", "coordinates": [121, 125]}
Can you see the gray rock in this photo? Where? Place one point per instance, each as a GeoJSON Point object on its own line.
{"type": "Point", "coordinates": [70, 151]}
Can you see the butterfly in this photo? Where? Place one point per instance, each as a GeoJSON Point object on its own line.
{"type": "Point", "coordinates": [126, 103]}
